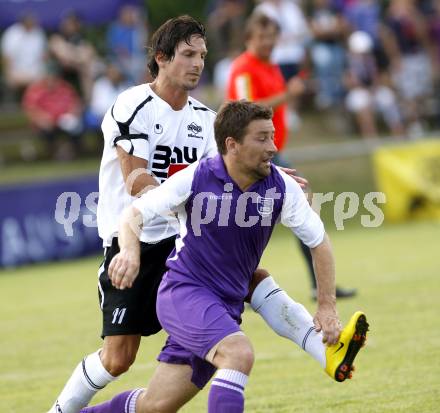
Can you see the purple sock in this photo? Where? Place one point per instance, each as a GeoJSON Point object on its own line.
{"type": "Point", "coordinates": [226, 393]}
{"type": "Point", "coordinates": [122, 403]}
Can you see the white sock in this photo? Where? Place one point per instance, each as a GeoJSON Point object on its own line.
{"type": "Point", "coordinates": [288, 318]}
{"type": "Point", "coordinates": [87, 379]}
{"type": "Point", "coordinates": [131, 408]}
{"type": "Point", "coordinates": [234, 379]}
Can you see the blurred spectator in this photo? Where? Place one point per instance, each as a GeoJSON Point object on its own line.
{"type": "Point", "coordinates": [23, 52]}
{"type": "Point", "coordinates": [365, 16]}
{"type": "Point", "coordinates": [408, 46]}
{"type": "Point", "coordinates": [328, 52]}
{"type": "Point", "coordinates": [290, 51]}
{"type": "Point", "coordinates": [226, 19]}
{"type": "Point", "coordinates": [53, 107]}
{"type": "Point", "coordinates": [367, 95]}
{"type": "Point", "coordinates": [434, 32]}
{"type": "Point", "coordinates": [222, 71]}
{"type": "Point", "coordinates": [254, 77]}
{"type": "Point", "coordinates": [105, 90]}
{"type": "Point", "coordinates": [74, 54]}
{"type": "Point", "coordinates": [127, 41]}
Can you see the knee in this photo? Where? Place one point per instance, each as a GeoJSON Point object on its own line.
{"type": "Point", "coordinates": [259, 275]}
{"type": "Point", "coordinates": [117, 363]}
{"type": "Point", "coordinates": [245, 360]}
{"type": "Point", "coordinates": [235, 353]}
{"type": "Point", "coordinates": [146, 403]}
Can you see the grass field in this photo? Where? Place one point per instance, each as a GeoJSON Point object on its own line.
{"type": "Point", "coordinates": [50, 319]}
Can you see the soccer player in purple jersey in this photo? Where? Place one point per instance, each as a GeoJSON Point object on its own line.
{"type": "Point", "coordinates": [227, 207]}
{"type": "Point", "coordinates": [148, 130]}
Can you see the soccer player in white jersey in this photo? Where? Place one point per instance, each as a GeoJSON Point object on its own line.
{"type": "Point", "coordinates": [149, 129]}
{"type": "Point", "coordinates": [227, 207]}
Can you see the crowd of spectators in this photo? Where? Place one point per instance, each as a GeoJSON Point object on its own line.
{"type": "Point", "coordinates": [62, 82]}
{"type": "Point", "coordinates": [378, 60]}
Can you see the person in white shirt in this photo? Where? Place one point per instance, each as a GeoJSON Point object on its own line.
{"type": "Point", "coordinates": [23, 50]}
{"type": "Point", "coordinates": [105, 89]}
{"type": "Point", "coordinates": [290, 50]}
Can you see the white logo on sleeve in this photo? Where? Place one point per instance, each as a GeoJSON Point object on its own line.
{"type": "Point", "coordinates": [118, 315]}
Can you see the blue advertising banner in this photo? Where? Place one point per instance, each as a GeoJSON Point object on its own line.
{"type": "Point", "coordinates": [48, 221]}
{"type": "Point", "coordinates": [50, 12]}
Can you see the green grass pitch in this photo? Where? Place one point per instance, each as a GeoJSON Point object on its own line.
{"type": "Point", "coordinates": [49, 318]}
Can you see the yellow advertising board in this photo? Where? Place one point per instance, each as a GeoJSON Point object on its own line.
{"type": "Point", "coordinates": [409, 175]}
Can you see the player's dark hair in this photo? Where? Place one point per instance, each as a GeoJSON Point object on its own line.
{"type": "Point", "coordinates": [258, 20]}
{"type": "Point", "coordinates": [233, 119]}
{"type": "Point", "coordinates": [166, 38]}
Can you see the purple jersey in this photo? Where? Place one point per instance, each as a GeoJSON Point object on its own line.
{"type": "Point", "coordinates": [223, 230]}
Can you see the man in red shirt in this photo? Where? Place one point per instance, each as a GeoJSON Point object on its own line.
{"type": "Point", "coordinates": [254, 77]}
{"type": "Point", "coordinates": [53, 107]}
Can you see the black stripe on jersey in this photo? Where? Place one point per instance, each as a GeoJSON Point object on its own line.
{"type": "Point", "coordinates": [130, 137]}
{"type": "Point", "coordinates": [204, 108]}
{"type": "Point", "coordinates": [124, 126]}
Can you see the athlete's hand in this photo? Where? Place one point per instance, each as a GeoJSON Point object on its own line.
{"type": "Point", "coordinates": [123, 269]}
{"type": "Point", "coordinates": [326, 320]}
{"type": "Point", "coordinates": [303, 183]}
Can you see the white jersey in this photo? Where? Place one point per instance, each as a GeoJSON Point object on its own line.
{"type": "Point", "coordinates": [146, 126]}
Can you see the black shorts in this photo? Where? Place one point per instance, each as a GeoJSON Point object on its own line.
{"type": "Point", "coordinates": [133, 310]}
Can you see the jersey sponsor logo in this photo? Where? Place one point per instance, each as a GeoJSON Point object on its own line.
{"type": "Point", "coordinates": [118, 315]}
{"type": "Point", "coordinates": [164, 156]}
{"type": "Point", "coordinates": [158, 128]}
{"type": "Point", "coordinates": [194, 130]}
{"type": "Point", "coordinates": [265, 206]}
{"type": "Point", "coordinates": [176, 167]}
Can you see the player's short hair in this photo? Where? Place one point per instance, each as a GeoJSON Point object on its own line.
{"type": "Point", "coordinates": [258, 20]}
{"type": "Point", "coordinates": [233, 119]}
{"type": "Point", "coordinates": [166, 38]}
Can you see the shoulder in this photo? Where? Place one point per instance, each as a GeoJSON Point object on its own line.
{"type": "Point", "coordinates": [240, 63]}
{"type": "Point", "coordinates": [10, 34]}
{"type": "Point", "coordinates": [278, 177]}
{"type": "Point", "coordinates": [131, 101]}
{"type": "Point", "coordinates": [285, 181]}
{"type": "Point", "coordinates": [201, 174]}
{"type": "Point", "coordinates": [134, 95]}
{"type": "Point", "coordinates": [197, 106]}
{"type": "Point", "coordinates": [201, 111]}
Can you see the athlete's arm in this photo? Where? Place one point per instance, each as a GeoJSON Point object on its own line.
{"type": "Point", "coordinates": [124, 267]}
{"type": "Point", "coordinates": [162, 200]}
{"type": "Point", "coordinates": [326, 317]}
{"type": "Point", "coordinates": [243, 87]}
{"type": "Point", "coordinates": [134, 170]}
{"type": "Point", "coordinates": [298, 215]}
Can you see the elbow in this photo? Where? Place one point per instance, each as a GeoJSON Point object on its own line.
{"type": "Point", "coordinates": [322, 243]}
{"type": "Point", "coordinates": [131, 218]}
{"type": "Point", "coordinates": [133, 189]}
